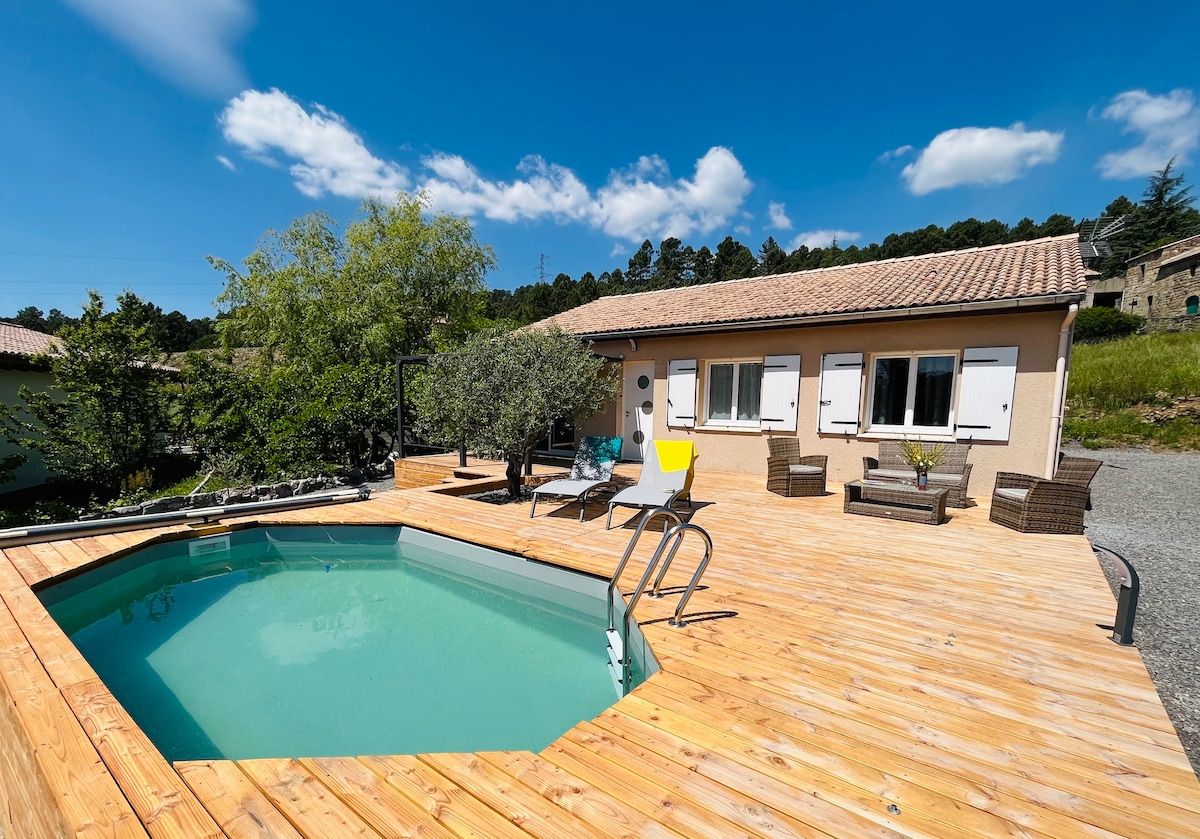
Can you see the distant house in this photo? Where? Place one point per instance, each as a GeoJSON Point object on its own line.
{"type": "Point", "coordinates": [18, 346]}
{"type": "Point", "coordinates": [968, 346]}
{"type": "Point", "coordinates": [1161, 285]}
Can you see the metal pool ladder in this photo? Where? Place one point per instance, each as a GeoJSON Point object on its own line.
{"type": "Point", "coordinates": [618, 659]}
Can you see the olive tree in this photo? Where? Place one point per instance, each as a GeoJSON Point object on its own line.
{"type": "Point", "coordinates": [501, 390]}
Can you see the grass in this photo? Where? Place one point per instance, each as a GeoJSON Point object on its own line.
{"type": "Point", "coordinates": [1141, 390]}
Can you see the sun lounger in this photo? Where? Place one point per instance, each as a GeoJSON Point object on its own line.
{"type": "Point", "coordinates": [593, 468]}
{"type": "Point", "coordinates": [666, 475]}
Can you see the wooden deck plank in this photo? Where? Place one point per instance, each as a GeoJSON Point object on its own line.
{"type": "Point", "coordinates": [162, 801]}
{"type": "Point", "coordinates": [308, 804]}
{"type": "Point", "coordinates": [26, 562]}
{"type": "Point", "coordinates": [54, 780]}
{"type": "Point", "coordinates": [592, 804]}
{"type": "Point", "coordinates": [663, 804]}
{"type": "Point", "coordinates": [449, 803]}
{"type": "Point", "coordinates": [956, 672]}
{"type": "Point", "coordinates": [239, 808]}
{"type": "Point", "coordinates": [379, 804]}
{"type": "Point", "coordinates": [521, 805]}
{"type": "Point", "coordinates": [1047, 805]}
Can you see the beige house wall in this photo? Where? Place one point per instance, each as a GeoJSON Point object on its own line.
{"type": "Point", "coordinates": [1035, 334]}
{"type": "Point", "coordinates": [33, 472]}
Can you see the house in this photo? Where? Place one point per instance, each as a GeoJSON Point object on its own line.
{"type": "Point", "coordinates": [18, 346]}
{"type": "Point", "coordinates": [968, 346]}
{"type": "Point", "coordinates": [1161, 285]}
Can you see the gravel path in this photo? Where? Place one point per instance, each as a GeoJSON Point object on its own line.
{"type": "Point", "coordinates": [1146, 510]}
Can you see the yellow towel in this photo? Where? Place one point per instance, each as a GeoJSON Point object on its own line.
{"type": "Point", "coordinates": [674, 455]}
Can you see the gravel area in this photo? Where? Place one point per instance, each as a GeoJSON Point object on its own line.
{"type": "Point", "coordinates": [1145, 510]}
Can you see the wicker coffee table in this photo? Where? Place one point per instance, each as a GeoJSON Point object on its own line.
{"type": "Point", "coordinates": [896, 501]}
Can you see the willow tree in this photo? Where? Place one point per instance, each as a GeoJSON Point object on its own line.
{"type": "Point", "coordinates": [500, 392]}
{"type": "Point", "coordinates": [327, 312]}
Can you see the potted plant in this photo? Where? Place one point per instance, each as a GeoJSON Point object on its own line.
{"type": "Point", "coordinates": [922, 459]}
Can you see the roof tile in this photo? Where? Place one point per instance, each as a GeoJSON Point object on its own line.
{"type": "Point", "coordinates": [1040, 268]}
{"type": "Point", "coordinates": [17, 340]}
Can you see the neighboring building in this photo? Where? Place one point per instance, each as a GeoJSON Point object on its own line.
{"type": "Point", "coordinates": [18, 346]}
{"type": "Point", "coordinates": [1163, 286]}
{"type": "Point", "coordinates": [969, 346]}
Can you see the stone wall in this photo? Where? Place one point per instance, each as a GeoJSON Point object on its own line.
{"type": "Point", "coordinates": [220, 498]}
{"type": "Point", "coordinates": [1158, 291]}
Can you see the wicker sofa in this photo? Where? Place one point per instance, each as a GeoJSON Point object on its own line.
{"type": "Point", "coordinates": [792, 474]}
{"type": "Point", "coordinates": [953, 472]}
{"type": "Point", "coordinates": [1037, 505]}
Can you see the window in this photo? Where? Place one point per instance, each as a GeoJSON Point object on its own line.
{"type": "Point", "coordinates": [734, 393]}
{"type": "Point", "coordinates": [912, 392]}
{"type": "Point", "coordinates": [1192, 306]}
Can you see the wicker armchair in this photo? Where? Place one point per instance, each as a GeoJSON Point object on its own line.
{"type": "Point", "coordinates": [1037, 505]}
{"type": "Point", "coordinates": [791, 474]}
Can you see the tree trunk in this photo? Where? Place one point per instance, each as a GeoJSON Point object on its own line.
{"type": "Point", "coordinates": [513, 473]}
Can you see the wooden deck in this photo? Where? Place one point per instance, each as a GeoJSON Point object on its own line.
{"type": "Point", "coordinates": [854, 677]}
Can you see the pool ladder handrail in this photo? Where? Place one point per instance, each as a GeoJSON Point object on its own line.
{"type": "Point", "coordinates": [675, 533]}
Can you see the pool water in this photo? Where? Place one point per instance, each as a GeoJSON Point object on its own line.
{"type": "Point", "coordinates": [323, 641]}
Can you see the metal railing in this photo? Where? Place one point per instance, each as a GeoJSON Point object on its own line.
{"type": "Point", "coordinates": [672, 537]}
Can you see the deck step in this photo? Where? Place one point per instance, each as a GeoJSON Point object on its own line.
{"type": "Point", "coordinates": [616, 647]}
{"type": "Point", "coordinates": [615, 675]}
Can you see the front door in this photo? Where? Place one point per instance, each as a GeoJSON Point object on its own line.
{"type": "Point", "coordinates": [638, 404]}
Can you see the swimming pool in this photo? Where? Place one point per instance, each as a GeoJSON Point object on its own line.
{"type": "Point", "coordinates": [325, 641]}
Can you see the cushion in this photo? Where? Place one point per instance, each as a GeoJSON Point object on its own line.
{"type": "Point", "coordinates": [1013, 494]}
{"type": "Point", "coordinates": [894, 474]}
{"type": "Point", "coordinates": [802, 469]}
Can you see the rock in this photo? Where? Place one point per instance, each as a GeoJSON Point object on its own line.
{"type": "Point", "coordinates": [283, 490]}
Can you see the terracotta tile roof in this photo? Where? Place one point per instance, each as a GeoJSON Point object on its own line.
{"type": "Point", "coordinates": [17, 340]}
{"type": "Point", "coordinates": [1001, 273]}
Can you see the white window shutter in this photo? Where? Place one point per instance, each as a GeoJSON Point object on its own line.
{"type": "Point", "coordinates": [985, 393]}
{"type": "Point", "coordinates": [681, 392]}
{"type": "Point", "coordinates": [841, 393]}
{"type": "Point", "coordinates": [780, 392]}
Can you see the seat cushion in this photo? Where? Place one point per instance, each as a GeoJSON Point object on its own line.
{"type": "Point", "coordinates": [1013, 494]}
{"type": "Point", "coordinates": [893, 474]}
{"type": "Point", "coordinates": [801, 469]}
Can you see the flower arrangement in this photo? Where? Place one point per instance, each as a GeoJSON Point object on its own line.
{"type": "Point", "coordinates": [920, 458]}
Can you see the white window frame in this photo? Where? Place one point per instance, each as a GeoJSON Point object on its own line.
{"type": "Point", "coordinates": [937, 432]}
{"type": "Point", "coordinates": [733, 423]}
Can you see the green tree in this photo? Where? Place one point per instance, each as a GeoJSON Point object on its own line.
{"type": "Point", "coordinates": [108, 414]}
{"type": "Point", "coordinates": [1165, 214]}
{"type": "Point", "coordinates": [397, 282]}
{"type": "Point", "coordinates": [641, 266]}
{"type": "Point", "coordinates": [500, 391]}
{"type": "Point", "coordinates": [733, 261]}
{"type": "Point", "coordinates": [328, 314]}
{"type": "Point", "coordinates": [31, 318]}
{"type": "Point", "coordinates": [772, 259]}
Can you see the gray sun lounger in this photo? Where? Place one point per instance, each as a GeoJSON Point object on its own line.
{"type": "Point", "coordinates": [655, 488]}
{"type": "Point", "coordinates": [593, 467]}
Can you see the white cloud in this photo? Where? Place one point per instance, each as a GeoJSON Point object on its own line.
{"type": "Point", "coordinates": [888, 156]}
{"type": "Point", "coordinates": [189, 42]}
{"type": "Point", "coordinates": [777, 212]}
{"type": "Point", "coordinates": [823, 238]}
{"type": "Point", "coordinates": [1169, 126]}
{"type": "Point", "coordinates": [325, 156]}
{"type": "Point", "coordinates": [226, 162]}
{"type": "Point", "coordinates": [985, 156]}
{"type": "Point", "coordinates": [329, 157]}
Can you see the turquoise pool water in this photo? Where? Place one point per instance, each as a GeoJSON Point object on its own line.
{"type": "Point", "coordinates": [322, 641]}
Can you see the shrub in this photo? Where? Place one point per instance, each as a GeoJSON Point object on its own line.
{"type": "Point", "coordinates": [1100, 323]}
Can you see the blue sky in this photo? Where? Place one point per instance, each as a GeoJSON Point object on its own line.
{"type": "Point", "coordinates": [137, 136]}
